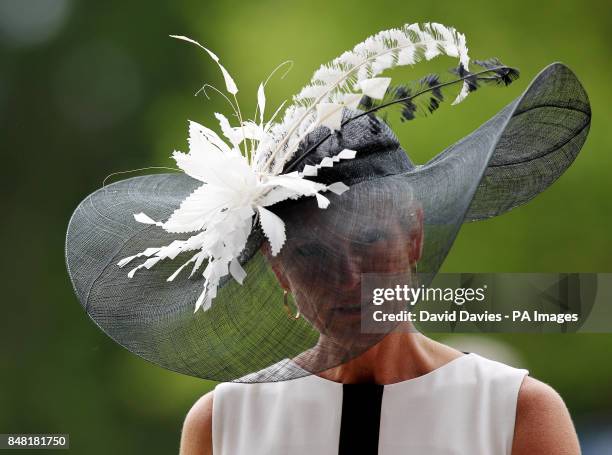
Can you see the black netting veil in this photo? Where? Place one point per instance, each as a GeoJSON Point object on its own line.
{"type": "Point", "coordinates": [394, 217]}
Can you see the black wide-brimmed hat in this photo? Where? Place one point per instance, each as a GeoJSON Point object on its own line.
{"type": "Point", "coordinates": [242, 327]}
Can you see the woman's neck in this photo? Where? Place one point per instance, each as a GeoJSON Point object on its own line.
{"type": "Point", "coordinates": [399, 356]}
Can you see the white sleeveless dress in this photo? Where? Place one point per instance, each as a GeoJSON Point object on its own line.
{"type": "Point", "coordinates": [465, 407]}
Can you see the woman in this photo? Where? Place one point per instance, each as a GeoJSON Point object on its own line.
{"type": "Point", "coordinates": [398, 392]}
{"type": "Point", "coordinates": [317, 209]}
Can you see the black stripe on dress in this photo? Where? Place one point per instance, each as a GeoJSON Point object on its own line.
{"type": "Point", "coordinates": [360, 422]}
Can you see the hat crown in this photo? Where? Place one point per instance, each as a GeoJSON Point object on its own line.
{"type": "Point", "coordinates": [378, 151]}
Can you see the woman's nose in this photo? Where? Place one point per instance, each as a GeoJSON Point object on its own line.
{"type": "Point", "coordinates": [349, 271]}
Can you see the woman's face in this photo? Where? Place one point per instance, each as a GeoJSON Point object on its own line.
{"type": "Point", "coordinates": [322, 262]}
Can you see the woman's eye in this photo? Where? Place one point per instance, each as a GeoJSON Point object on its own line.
{"type": "Point", "coordinates": [374, 236]}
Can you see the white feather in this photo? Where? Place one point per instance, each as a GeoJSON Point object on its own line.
{"type": "Point", "coordinates": [274, 229]}
{"type": "Point", "coordinates": [235, 137]}
{"type": "Point", "coordinates": [322, 201]}
{"type": "Point", "coordinates": [329, 115]}
{"type": "Point", "coordinates": [339, 79]}
{"type": "Point", "coordinates": [345, 154]}
{"type": "Point", "coordinates": [203, 139]}
{"type": "Point", "coordinates": [146, 219]}
{"type": "Point", "coordinates": [261, 102]}
{"type": "Point", "coordinates": [230, 85]}
{"type": "Point", "coordinates": [237, 271]}
{"type": "Point", "coordinates": [352, 100]}
{"type": "Point", "coordinates": [337, 188]}
{"type": "Point", "coordinates": [374, 87]}
{"type": "Point", "coordinates": [309, 170]}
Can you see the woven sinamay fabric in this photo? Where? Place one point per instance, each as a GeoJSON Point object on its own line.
{"type": "Point", "coordinates": [395, 217]}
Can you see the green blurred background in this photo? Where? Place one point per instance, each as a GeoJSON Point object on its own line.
{"type": "Point", "coordinates": [90, 88]}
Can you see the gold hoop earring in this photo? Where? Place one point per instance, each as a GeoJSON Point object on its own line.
{"type": "Point", "coordinates": [415, 276]}
{"type": "Point", "coordinates": [286, 305]}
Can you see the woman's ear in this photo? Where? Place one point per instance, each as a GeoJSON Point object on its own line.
{"type": "Point", "coordinates": [275, 264]}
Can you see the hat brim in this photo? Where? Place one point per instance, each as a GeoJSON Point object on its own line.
{"type": "Point", "coordinates": [508, 160]}
{"type": "Point", "coordinates": [526, 146]}
{"type": "Point", "coordinates": [504, 163]}
{"type": "Point", "coordinates": [247, 328]}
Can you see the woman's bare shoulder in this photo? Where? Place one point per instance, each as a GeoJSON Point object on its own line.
{"type": "Point", "coordinates": [196, 437]}
{"type": "Point", "coordinates": [543, 423]}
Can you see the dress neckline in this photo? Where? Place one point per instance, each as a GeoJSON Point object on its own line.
{"type": "Point", "coordinates": [424, 377]}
